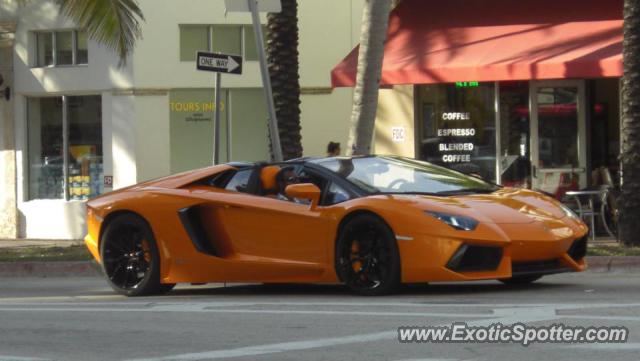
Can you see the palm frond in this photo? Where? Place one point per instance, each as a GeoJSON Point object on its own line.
{"type": "Point", "coordinates": [112, 23]}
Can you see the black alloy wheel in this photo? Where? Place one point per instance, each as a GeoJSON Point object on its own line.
{"type": "Point", "coordinates": [367, 256]}
{"type": "Point", "coordinates": [130, 258]}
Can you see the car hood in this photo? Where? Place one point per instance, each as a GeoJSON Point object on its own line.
{"type": "Point", "coordinates": [504, 206]}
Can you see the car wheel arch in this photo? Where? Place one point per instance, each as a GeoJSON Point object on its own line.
{"type": "Point", "coordinates": [115, 215]}
{"type": "Point", "coordinates": [354, 214]}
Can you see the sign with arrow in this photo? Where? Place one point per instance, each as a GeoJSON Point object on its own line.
{"type": "Point", "coordinates": [219, 63]}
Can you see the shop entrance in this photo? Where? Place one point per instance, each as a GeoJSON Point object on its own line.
{"type": "Point", "coordinates": [558, 136]}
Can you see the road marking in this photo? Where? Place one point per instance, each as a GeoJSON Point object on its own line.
{"type": "Point", "coordinates": [278, 347]}
{"type": "Point", "coordinates": [61, 298]}
{"type": "Point", "coordinates": [508, 316]}
{"type": "Point", "coordinates": [18, 358]}
{"type": "Point", "coordinates": [609, 346]}
{"type": "Point", "coordinates": [178, 308]}
{"type": "Point", "coordinates": [163, 301]}
{"type": "Point", "coordinates": [432, 359]}
{"type": "Point", "coordinates": [595, 317]}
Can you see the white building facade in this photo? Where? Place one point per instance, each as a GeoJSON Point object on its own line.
{"type": "Point", "coordinates": [75, 123]}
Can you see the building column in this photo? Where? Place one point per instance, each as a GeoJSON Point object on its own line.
{"type": "Point", "coordinates": [8, 206]}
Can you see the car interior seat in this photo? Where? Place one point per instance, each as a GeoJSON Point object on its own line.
{"type": "Point", "coordinates": [268, 184]}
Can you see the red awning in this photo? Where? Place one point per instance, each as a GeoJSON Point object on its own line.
{"type": "Point", "coordinates": [478, 40]}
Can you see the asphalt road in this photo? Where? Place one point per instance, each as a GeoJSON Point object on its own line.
{"type": "Point", "coordinates": [81, 319]}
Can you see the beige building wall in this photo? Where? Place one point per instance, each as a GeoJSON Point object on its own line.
{"type": "Point", "coordinates": [8, 205]}
{"type": "Point", "coordinates": [135, 98]}
{"type": "Point", "coordinates": [329, 29]}
{"type": "Point", "coordinates": [8, 208]}
{"type": "Point", "coordinates": [394, 132]}
{"type": "Point", "coordinates": [152, 151]}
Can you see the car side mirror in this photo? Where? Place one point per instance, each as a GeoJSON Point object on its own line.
{"type": "Point", "coordinates": [304, 191]}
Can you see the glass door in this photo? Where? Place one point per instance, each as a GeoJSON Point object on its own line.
{"type": "Point", "coordinates": [558, 136]}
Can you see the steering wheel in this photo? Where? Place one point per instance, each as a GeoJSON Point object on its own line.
{"type": "Point", "coordinates": [398, 183]}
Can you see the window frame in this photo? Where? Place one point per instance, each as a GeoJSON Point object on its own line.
{"type": "Point", "coordinates": [235, 174]}
{"type": "Point", "coordinates": [65, 149]}
{"type": "Point", "coordinates": [54, 48]}
{"type": "Point", "coordinates": [211, 37]}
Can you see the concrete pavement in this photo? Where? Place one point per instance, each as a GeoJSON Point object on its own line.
{"type": "Point", "coordinates": [91, 268]}
{"type": "Point", "coordinates": [21, 243]}
{"type": "Point", "coordinates": [81, 319]}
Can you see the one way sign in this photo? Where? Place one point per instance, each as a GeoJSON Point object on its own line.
{"type": "Point", "coordinates": [220, 63]}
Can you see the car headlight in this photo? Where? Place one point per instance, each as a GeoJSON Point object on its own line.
{"type": "Point", "coordinates": [461, 223]}
{"type": "Point", "coordinates": [568, 211]}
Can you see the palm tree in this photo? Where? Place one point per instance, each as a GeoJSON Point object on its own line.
{"type": "Point", "coordinates": [630, 153]}
{"type": "Point", "coordinates": [375, 19]}
{"type": "Point", "coordinates": [112, 23]}
{"type": "Point", "coordinates": [282, 57]}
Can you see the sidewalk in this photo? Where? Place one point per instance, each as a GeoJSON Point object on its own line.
{"type": "Point", "coordinates": [23, 243]}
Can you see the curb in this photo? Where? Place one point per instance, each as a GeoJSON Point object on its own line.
{"type": "Point", "coordinates": [613, 263]}
{"type": "Point", "coordinates": [50, 269]}
{"type": "Point", "coordinates": [92, 269]}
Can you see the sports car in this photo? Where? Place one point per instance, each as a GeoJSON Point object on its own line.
{"type": "Point", "coordinates": [370, 222]}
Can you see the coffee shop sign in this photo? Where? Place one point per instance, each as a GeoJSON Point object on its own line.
{"type": "Point", "coordinates": [456, 116]}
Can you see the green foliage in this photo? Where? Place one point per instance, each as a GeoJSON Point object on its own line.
{"type": "Point", "coordinates": [44, 254]}
{"type": "Point", "coordinates": [113, 23]}
{"type": "Point", "coordinates": [613, 250]}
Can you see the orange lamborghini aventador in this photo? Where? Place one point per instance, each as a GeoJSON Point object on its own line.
{"type": "Point", "coordinates": [371, 222]}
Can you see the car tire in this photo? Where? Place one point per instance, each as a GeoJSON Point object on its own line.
{"type": "Point", "coordinates": [130, 257]}
{"type": "Point", "coordinates": [520, 280]}
{"type": "Point", "coordinates": [367, 259]}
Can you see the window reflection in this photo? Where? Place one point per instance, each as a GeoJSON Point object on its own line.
{"type": "Point", "coordinates": [457, 126]}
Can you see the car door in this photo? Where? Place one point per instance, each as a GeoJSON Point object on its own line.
{"type": "Point", "coordinates": [267, 229]}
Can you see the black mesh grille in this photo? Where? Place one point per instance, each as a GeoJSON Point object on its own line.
{"type": "Point", "coordinates": [578, 249]}
{"type": "Point", "coordinates": [469, 258]}
{"type": "Point", "coordinates": [535, 266]}
{"type": "Point", "coordinates": [538, 267]}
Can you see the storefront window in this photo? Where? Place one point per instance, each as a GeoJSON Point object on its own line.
{"type": "Point", "coordinates": [515, 163]}
{"type": "Point", "coordinates": [47, 151]}
{"type": "Point", "coordinates": [45, 148]}
{"type": "Point", "coordinates": [457, 126]}
{"type": "Point", "coordinates": [85, 147]}
{"type": "Point", "coordinates": [243, 117]}
{"type": "Point", "coordinates": [605, 131]}
{"type": "Point", "coordinates": [557, 127]}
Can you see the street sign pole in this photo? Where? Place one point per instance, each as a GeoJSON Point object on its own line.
{"type": "Point", "coordinates": [218, 63]}
{"type": "Point", "coordinates": [266, 81]}
{"type": "Point", "coordinates": [216, 124]}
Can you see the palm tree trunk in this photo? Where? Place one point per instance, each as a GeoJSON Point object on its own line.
{"type": "Point", "coordinates": [375, 19]}
{"type": "Point", "coordinates": [630, 130]}
{"type": "Point", "coordinates": [282, 57]}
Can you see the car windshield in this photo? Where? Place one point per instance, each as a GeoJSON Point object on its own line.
{"type": "Point", "coordinates": [400, 175]}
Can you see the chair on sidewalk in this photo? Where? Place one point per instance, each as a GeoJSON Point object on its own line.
{"type": "Point", "coordinates": [598, 203]}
